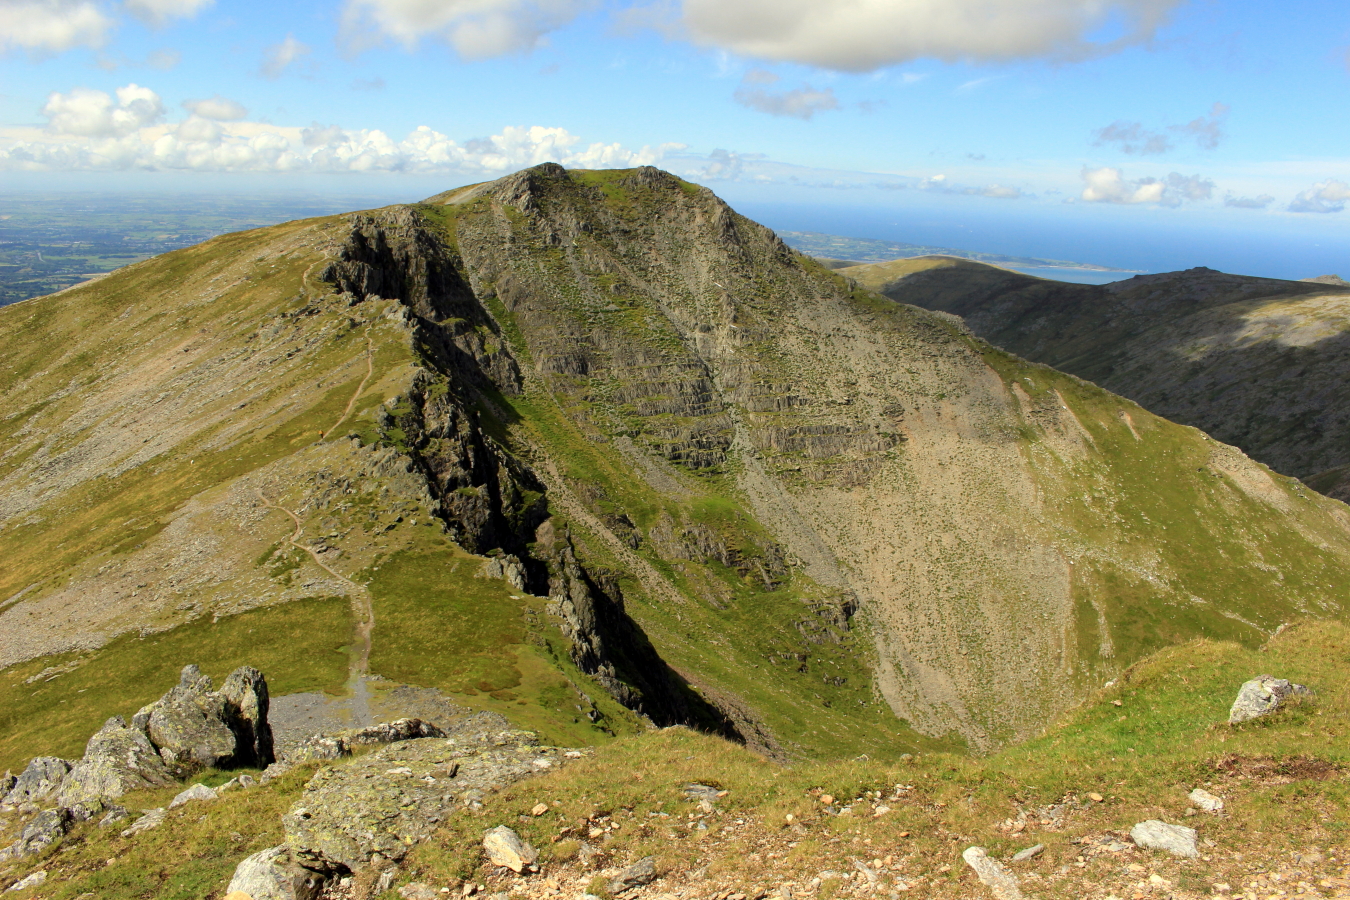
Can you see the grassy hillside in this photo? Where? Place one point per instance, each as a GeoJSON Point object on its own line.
{"type": "Point", "coordinates": [594, 451]}
{"type": "Point", "coordinates": [1255, 362]}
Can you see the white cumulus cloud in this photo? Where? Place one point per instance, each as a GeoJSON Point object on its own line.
{"type": "Point", "coordinates": [92, 130]}
{"type": "Point", "coordinates": [1323, 197]}
{"type": "Point", "coordinates": [52, 25]}
{"type": "Point", "coordinates": [863, 35]}
{"type": "Point", "coordinates": [89, 113]}
{"type": "Point", "coordinates": [159, 12]}
{"type": "Point", "coordinates": [222, 109]}
{"type": "Point", "coordinates": [1109, 185]}
{"type": "Point", "coordinates": [476, 29]}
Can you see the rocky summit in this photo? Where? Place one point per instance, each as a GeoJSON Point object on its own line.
{"type": "Point", "coordinates": [544, 499]}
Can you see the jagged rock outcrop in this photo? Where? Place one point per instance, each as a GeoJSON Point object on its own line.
{"type": "Point", "coordinates": [368, 811]}
{"type": "Point", "coordinates": [119, 758]}
{"type": "Point", "coordinates": [44, 830]}
{"type": "Point", "coordinates": [39, 780]}
{"type": "Point", "coordinates": [195, 727]}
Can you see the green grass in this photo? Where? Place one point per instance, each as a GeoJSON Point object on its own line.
{"type": "Point", "coordinates": [301, 646]}
{"type": "Point", "coordinates": [1167, 736]}
{"type": "Point", "coordinates": [483, 643]}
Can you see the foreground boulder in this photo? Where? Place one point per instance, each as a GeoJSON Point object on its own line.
{"type": "Point", "coordinates": [1262, 696]}
{"type": "Point", "coordinates": [1177, 840]}
{"type": "Point", "coordinates": [271, 875]}
{"type": "Point", "coordinates": [371, 810]}
{"type": "Point", "coordinates": [47, 827]}
{"type": "Point", "coordinates": [117, 759]}
{"type": "Point", "coordinates": [195, 727]}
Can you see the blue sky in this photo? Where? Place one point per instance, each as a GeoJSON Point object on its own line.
{"type": "Point", "coordinates": [1142, 133]}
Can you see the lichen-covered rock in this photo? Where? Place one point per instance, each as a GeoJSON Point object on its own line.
{"type": "Point", "coordinates": [271, 875]}
{"type": "Point", "coordinates": [117, 759]}
{"type": "Point", "coordinates": [247, 704]}
{"type": "Point", "coordinates": [47, 827]}
{"type": "Point", "coordinates": [324, 747]}
{"type": "Point", "coordinates": [1177, 840]}
{"type": "Point", "coordinates": [505, 848]}
{"type": "Point", "coordinates": [40, 780]}
{"type": "Point", "coordinates": [188, 724]}
{"type": "Point", "coordinates": [31, 880]}
{"type": "Point", "coordinates": [639, 873]}
{"type": "Point", "coordinates": [7, 783]}
{"type": "Point", "coordinates": [195, 727]}
{"type": "Point", "coordinates": [1261, 696]}
{"type": "Point", "coordinates": [372, 809]}
{"type": "Point", "coordinates": [1205, 800]}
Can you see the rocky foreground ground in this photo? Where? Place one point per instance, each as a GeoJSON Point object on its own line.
{"type": "Point", "coordinates": [414, 810]}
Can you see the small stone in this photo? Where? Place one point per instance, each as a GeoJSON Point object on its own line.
{"type": "Point", "coordinates": [1095, 797]}
{"type": "Point", "coordinates": [539, 809]}
{"type": "Point", "coordinates": [827, 799]}
{"type": "Point", "coordinates": [113, 815]}
{"type": "Point", "coordinates": [1262, 696]}
{"type": "Point", "coordinates": [195, 793]}
{"type": "Point", "coordinates": [1156, 835]}
{"type": "Point", "coordinates": [1028, 853]}
{"type": "Point", "coordinates": [505, 848]}
{"type": "Point", "coordinates": [30, 881]}
{"type": "Point", "coordinates": [1001, 883]}
{"type": "Point", "coordinates": [416, 890]}
{"type": "Point", "coordinates": [1205, 800]}
{"type": "Point", "coordinates": [639, 873]}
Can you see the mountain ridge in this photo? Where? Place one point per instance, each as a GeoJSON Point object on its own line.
{"type": "Point", "coordinates": [594, 425]}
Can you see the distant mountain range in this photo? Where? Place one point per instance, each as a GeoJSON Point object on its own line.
{"type": "Point", "coordinates": [865, 250]}
{"type": "Point", "coordinates": [1256, 362]}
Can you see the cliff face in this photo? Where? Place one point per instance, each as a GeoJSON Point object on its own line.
{"type": "Point", "coordinates": [734, 489]}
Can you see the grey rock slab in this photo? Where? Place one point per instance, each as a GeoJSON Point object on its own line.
{"type": "Point", "coordinates": [39, 780]}
{"type": "Point", "coordinates": [1029, 853]}
{"type": "Point", "coordinates": [272, 875]}
{"type": "Point", "coordinates": [374, 808]}
{"type": "Point", "coordinates": [505, 848]}
{"type": "Point", "coordinates": [1157, 835]}
{"type": "Point", "coordinates": [1001, 883]}
{"type": "Point", "coordinates": [1262, 696]}
{"type": "Point", "coordinates": [112, 815]}
{"type": "Point", "coordinates": [698, 792]}
{"type": "Point", "coordinates": [117, 759]}
{"type": "Point", "coordinates": [639, 873]}
{"type": "Point", "coordinates": [193, 794]}
{"type": "Point", "coordinates": [417, 890]}
{"type": "Point", "coordinates": [30, 881]}
{"type": "Point", "coordinates": [46, 828]}
{"type": "Point", "coordinates": [326, 747]}
{"type": "Point", "coordinates": [1203, 799]}
{"type": "Point", "coordinates": [150, 818]}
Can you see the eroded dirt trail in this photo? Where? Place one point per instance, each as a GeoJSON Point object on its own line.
{"type": "Point", "coordinates": [360, 388]}
{"type": "Point", "coordinates": [365, 621]}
